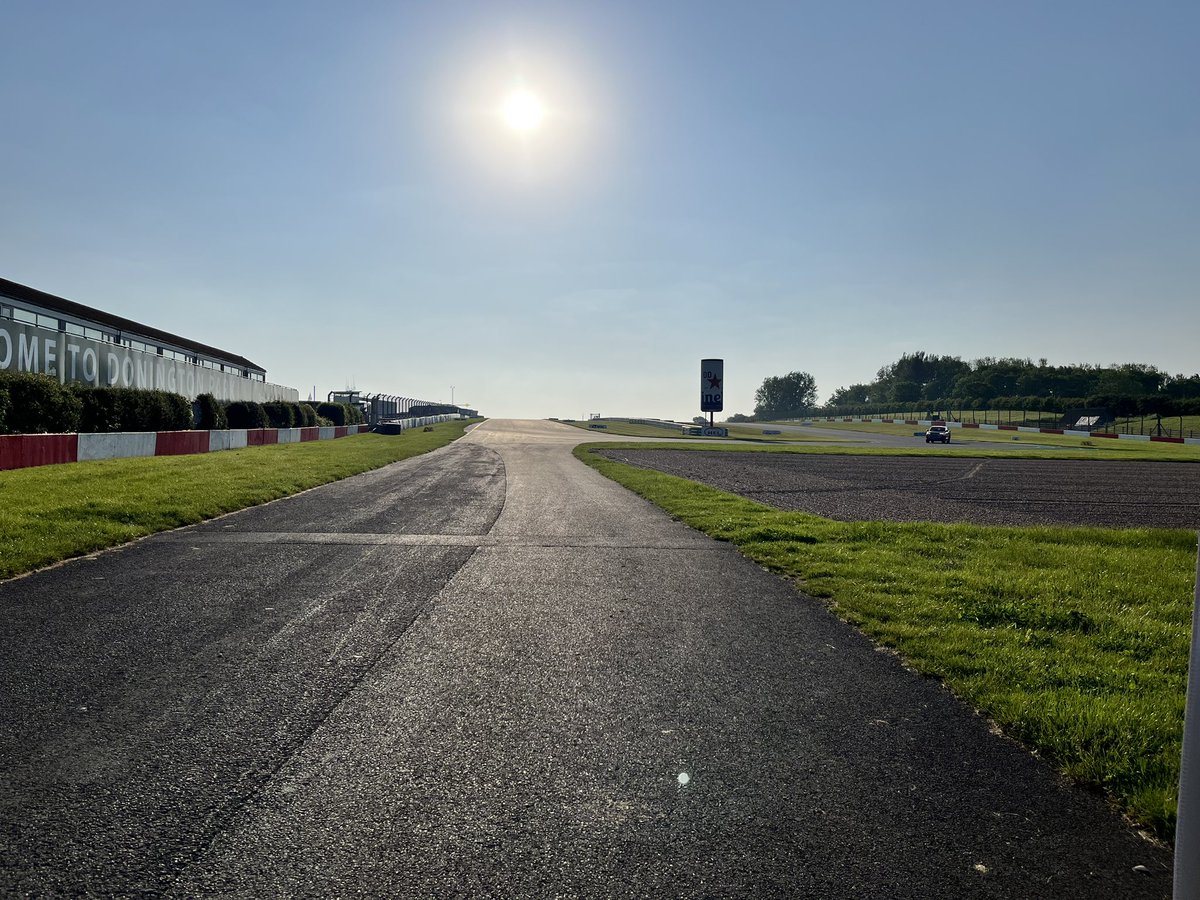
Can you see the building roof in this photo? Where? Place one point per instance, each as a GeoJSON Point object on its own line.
{"type": "Point", "coordinates": [127, 327]}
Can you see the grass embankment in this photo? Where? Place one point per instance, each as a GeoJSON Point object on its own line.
{"type": "Point", "coordinates": [1074, 640]}
{"type": "Point", "coordinates": [51, 513]}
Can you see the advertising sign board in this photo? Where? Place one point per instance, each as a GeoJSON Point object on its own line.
{"type": "Point", "coordinates": [712, 385]}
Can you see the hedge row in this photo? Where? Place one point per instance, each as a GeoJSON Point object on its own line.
{"type": "Point", "coordinates": [32, 404]}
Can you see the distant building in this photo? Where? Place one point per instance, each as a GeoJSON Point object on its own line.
{"type": "Point", "coordinates": [42, 333]}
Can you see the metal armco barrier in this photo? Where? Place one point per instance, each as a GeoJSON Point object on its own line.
{"type": "Point", "coordinates": [395, 426]}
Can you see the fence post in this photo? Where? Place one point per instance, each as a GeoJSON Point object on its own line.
{"type": "Point", "coordinates": [1187, 824]}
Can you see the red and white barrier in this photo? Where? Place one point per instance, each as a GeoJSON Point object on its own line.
{"type": "Point", "coordinates": [20, 451]}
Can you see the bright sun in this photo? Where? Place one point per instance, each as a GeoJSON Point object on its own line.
{"type": "Point", "coordinates": [523, 111]}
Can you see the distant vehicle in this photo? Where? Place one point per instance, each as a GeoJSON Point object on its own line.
{"type": "Point", "coordinates": [937, 433]}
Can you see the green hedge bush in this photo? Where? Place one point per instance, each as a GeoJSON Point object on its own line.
{"type": "Point", "coordinates": [341, 413]}
{"type": "Point", "coordinates": [210, 414]}
{"type": "Point", "coordinates": [280, 414]}
{"type": "Point", "coordinates": [106, 409]}
{"type": "Point", "coordinates": [334, 412]}
{"type": "Point", "coordinates": [38, 404]}
{"type": "Point", "coordinates": [34, 404]}
{"type": "Point", "coordinates": [247, 414]}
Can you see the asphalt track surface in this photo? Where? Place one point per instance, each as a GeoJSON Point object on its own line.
{"type": "Point", "coordinates": [486, 672]}
{"type": "Point", "coordinates": [947, 489]}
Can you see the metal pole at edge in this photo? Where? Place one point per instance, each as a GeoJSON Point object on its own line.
{"type": "Point", "coordinates": [1187, 823]}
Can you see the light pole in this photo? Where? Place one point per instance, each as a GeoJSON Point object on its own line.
{"type": "Point", "coordinates": [451, 395]}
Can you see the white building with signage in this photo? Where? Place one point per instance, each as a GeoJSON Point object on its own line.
{"type": "Point", "coordinates": [49, 335]}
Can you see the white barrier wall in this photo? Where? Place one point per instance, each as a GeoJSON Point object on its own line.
{"type": "Point", "coordinates": [122, 444]}
{"type": "Point", "coordinates": [289, 435]}
{"type": "Point", "coordinates": [234, 439]}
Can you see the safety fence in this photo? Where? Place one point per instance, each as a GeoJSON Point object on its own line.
{"type": "Point", "coordinates": [1020, 428]}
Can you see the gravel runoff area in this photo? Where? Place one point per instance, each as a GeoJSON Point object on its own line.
{"type": "Point", "coordinates": [947, 489]}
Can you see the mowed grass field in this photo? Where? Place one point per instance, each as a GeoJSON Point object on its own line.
{"type": "Point", "coordinates": [1092, 447]}
{"type": "Point", "coordinates": [52, 513]}
{"type": "Point", "coordinates": [737, 431]}
{"type": "Point", "coordinates": [1073, 640]}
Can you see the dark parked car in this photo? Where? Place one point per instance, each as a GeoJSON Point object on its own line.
{"type": "Point", "coordinates": [937, 433]}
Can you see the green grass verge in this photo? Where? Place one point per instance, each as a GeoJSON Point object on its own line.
{"type": "Point", "coordinates": [736, 431]}
{"type": "Point", "coordinates": [1074, 640]}
{"type": "Point", "coordinates": [52, 513]}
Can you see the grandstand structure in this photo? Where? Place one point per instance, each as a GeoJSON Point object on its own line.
{"type": "Point", "coordinates": [50, 335]}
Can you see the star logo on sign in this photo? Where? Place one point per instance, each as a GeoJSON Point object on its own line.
{"type": "Point", "coordinates": [714, 381]}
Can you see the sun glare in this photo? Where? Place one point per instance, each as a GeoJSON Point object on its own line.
{"type": "Point", "coordinates": [523, 111]}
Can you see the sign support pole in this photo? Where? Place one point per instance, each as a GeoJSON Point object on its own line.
{"type": "Point", "coordinates": [1187, 825]}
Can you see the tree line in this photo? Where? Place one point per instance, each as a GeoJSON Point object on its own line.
{"type": "Point", "coordinates": [927, 382]}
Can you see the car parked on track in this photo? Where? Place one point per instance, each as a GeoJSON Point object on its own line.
{"type": "Point", "coordinates": [937, 433]}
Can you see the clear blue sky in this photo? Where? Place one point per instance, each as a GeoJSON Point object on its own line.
{"type": "Point", "coordinates": [329, 189]}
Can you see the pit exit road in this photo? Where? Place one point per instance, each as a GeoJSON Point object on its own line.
{"type": "Point", "coordinates": [488, 671]}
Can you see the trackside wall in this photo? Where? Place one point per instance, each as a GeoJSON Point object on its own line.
{"type": "Point", "coordinates": [19, 451]}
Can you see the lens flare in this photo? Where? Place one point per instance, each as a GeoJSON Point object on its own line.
{"type": "Point", "coordinates": [523, 111]}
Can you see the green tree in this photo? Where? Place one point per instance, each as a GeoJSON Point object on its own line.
{"type": "Point", "coordinates": [849, 396]}
{"type": "Point", "coordinates": [1183, 388]}
{"type": "Point", "coordinates": [788, 396]}
{"type": "Point", "coordinates": [906, 391]}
